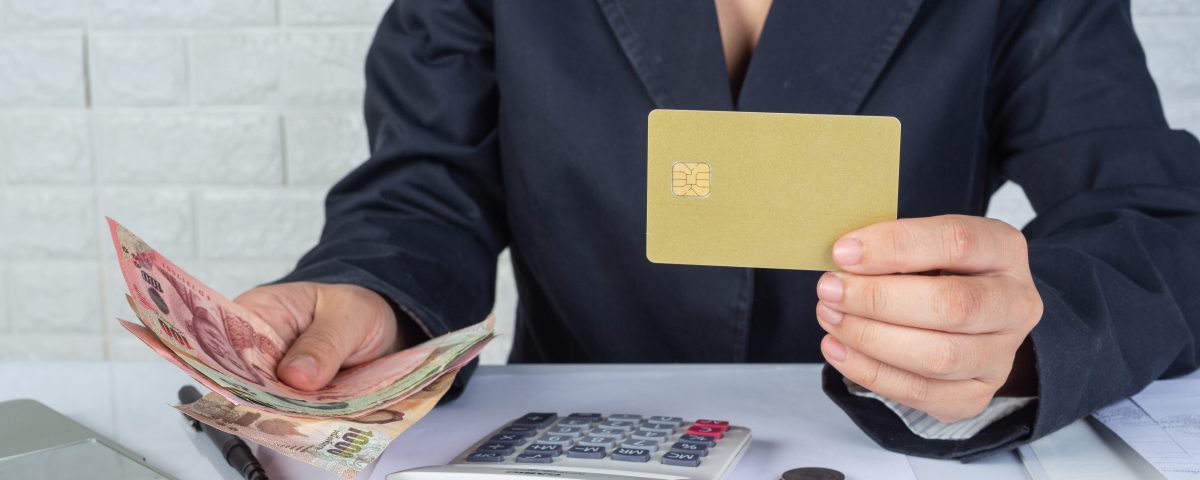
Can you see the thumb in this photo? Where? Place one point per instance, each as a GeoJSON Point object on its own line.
{"type": "Point", "coordinates": [320, 351]}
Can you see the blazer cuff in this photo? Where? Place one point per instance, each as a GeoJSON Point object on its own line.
{"type": "Point", "coordinates": [888, 429]}
{"type": "Point", "coordinates": [930, 428]}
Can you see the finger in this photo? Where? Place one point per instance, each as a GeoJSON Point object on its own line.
{"type": "Point", "coordinates": [928, 353]}
{"type": "Point", "coordinates": [342, 333]}
{"type": "Point", "coordinates": [955, 243]}
{"type": "Point", "coordinates": [317, 355]}
{"type": "Point", "coordinates": [946, 400]}
{"type": "Point", "coordinates": [948, 303]}
{"type": "Point", "coordinates": [287, 308]}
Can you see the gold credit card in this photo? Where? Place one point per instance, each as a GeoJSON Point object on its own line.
{"type": "Point", "coordinates": [765, 190]}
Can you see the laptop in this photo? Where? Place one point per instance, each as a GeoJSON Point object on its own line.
{"type": "Point", "coordinates": [37, 442]}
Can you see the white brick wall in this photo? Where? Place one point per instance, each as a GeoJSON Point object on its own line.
{"type": "Point", "coordinates": [41, 70]}
{"type": "Point", "coordinates": [210, 127]}
{"type": "Point", "coordinates": [213, 129]}
{"type": "Point", "coordinates": [188, 148]}
{"type": "Point", "coordinates": [159, 60]}
{"type": "Point", "coordinates": [37, 148]}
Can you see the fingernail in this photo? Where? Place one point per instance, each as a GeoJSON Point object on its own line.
{"type": "Point", "coordinates": [304, 364]}
{"type": "Point", "coordinates": [847, 252]}
{"type": "Point", "coordinates": [829, 288]}
{"type": "Point", "coordinates": [834, 349]}
{"type": "Point", "coordinates": [828, 315]}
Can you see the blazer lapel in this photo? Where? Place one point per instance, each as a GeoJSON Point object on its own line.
{"type": "Point", "coordinates": [815, 56]}
{"type": "Point", "coordinates": [675, 47]}
{"type": "Point", "coordinates": [823, 56]}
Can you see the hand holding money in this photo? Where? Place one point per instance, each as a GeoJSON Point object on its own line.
{"type": "Point", "coordinates": [328, 327]}
{"type": "Point", "coordinates": [311, 371]}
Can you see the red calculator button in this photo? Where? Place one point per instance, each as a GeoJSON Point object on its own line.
{"type": "Point", "coordinates": [705, 431]}
{"type": "Point", "coordinates": [717, 424]}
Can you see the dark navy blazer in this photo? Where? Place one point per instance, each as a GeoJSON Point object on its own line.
{"type": "Point", "coordinates": [522, 124]}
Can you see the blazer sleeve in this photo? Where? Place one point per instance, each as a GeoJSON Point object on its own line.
{"type": "Point", "coordinates": [422, 220]}
{"type": "Point", "coordinates": [1115, 248]}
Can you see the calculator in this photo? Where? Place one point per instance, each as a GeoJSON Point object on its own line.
{"type": "Point", "coordinates": [592, 446]}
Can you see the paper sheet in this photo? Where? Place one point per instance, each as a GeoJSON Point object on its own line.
{"type": "Point", "coordinates": [1162, 424]}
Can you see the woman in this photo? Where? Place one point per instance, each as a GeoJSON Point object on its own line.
{"type": "Point", "coordinates": [522, 124]}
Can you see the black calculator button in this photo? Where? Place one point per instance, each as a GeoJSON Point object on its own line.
{"type": "Point", "coordinates": [552, 450]}
{"type": "Point", "coordinates": [674, 421]}
{"type": "Point", "coordinates": [501, 448]}
{"type": "Point", "coordinates": [641, 444]}
{"type": "Point", "coordinates": [680, 447]}
{"type": "Point", "coordinates": [631, 455]}
{"type": "Point", "coordinates": [697, 440]}
{"type": "Point", "coordinates": [534, 457]}
{"type": "Point", "coordinates": [598, 441]}
{"type": "Point", "coordinates": [519, 430]}
{"type": "Point", "coordinates": [586, 451]}
{"type": "Point", "coordinates": [593, 416]}
{"type": "Point", "coordinates": [536, 420]}
{"type": "Point", "coordinates": [485, 457]}
{"type": "Point", "coordinates": [508, 439]}
{"type": "Point", "coordinates": [681, 459]}
{"type": "Point", "coordinates": [648, 435]}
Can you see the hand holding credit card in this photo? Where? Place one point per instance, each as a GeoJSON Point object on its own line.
{"type": "Point", "coordinates": [765, 190]}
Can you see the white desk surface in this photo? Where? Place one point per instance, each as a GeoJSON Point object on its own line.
{"type": "Point", "coordinates": [794, 424]}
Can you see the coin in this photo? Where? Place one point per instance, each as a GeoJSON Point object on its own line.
{"type": "Point", "coordinates": [812, 473]}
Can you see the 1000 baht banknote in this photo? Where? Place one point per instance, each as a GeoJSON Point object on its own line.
{"type": "Point", "coordinates": [196, 321]}
{"type": "Point", "coordinates": [229, 349]}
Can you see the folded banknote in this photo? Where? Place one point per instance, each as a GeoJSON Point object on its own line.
{"type": "Point", "coordinates": [342, 427]}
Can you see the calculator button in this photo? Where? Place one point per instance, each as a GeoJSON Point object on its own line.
{"type": "Point", "coordinates": [593, 441]}
{"type": "Point", "coordinates": [680, 447]}
{"type": "Point", "coordinates": [522, 431]}
{"type": "Point", "coordinates": [577, 422]}
{"type": "Point", "coordinates": [501, 448]}
{"type": "Point", "coordinates": [562, 440]}
{"type": "Point", "coordinates": [643, 444]}
{"type": "Point", "coordinates": [485, 457]}
{"type": "Point", "coordinates": [536, 420]}
{"type": "Point", "coordinates": [625, 417]}
{"type": "Point", "coordinates": [552, 450]}
{"type": "Point", "coordinates": [631, 455]}
{"type": "Point", "coordinates": [718, 424]}
{"type": "Point", "coordinates": [697, 440]}
{"type": "Point", "coordinates": [681, 459]}
{"type": "Point", "coordinates": [648, 435]}
{"type": "Point", "coordinates": [666, 428]}
{"type": "Point", "coordinates": [593, 416]}
{"type": "Point", "coordinates": [608, 432]}
{"type": "Point", "coordinates": [675, 421]}
{"type": "Point", "coordinates": [534, 457]}
{"type": "Point", "coordinates": [586, 451]}
{"type": "Point", "coordinates": [573, 432]}
{"type": "Point", "coordinates": [618, 424]}
{"type": "Point", "coordinates": [705, 431]}
{"type": "Point", "coordinates": [508, 439]}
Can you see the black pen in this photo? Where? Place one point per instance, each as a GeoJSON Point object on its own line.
{"type": "Point", "coordinates": [235, 451]}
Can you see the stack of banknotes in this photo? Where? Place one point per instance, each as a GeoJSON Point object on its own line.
{"type": "Point", "coordinates": [341, 428]}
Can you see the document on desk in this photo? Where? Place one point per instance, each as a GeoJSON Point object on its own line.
{"type": "Point", "coordinates": [1162, 424]}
